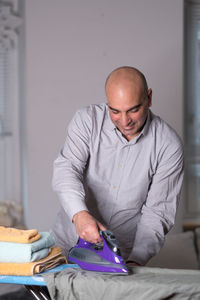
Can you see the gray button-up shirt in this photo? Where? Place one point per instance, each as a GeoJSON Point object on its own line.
{"type": "Point", "coordinates": [132, 187]}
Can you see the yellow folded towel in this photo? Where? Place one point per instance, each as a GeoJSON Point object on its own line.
{"type": "Point", "coordinates": [54, 259]}
{"type": "Point", "coordinates": [14, 235]}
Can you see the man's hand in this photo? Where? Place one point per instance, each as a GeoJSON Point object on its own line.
{"type": "Point", "coordinates": [87, 227]}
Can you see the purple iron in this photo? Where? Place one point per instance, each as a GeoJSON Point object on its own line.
{"type": "Point", "coordinates": [101, 257]}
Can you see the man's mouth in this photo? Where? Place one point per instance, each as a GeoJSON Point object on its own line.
{"type": "Point", "coordinates": [130, 127]}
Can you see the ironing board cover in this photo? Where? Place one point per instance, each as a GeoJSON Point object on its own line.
{"type": "Point", "coordinates": [35, 279]}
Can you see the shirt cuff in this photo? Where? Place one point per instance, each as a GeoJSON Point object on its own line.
{"type": "Point", "coordinates": [72, 206]}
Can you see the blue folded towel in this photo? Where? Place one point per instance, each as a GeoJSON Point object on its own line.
{"type": "Point", "coordinates": [21, 253]}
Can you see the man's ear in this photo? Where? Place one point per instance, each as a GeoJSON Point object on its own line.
{"type": "Point", "coordinates": [149, 97]}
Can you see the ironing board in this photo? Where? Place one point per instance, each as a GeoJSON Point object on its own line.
{"type": "Point", "coordinates": [34, 283]}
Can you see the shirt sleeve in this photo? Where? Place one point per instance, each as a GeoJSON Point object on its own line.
{"type": "Point", "coordinates": [159, 210]}
{"type": "Point", "coordinates": [69, 167]}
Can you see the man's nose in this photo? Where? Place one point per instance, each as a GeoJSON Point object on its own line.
{"type": "Point", "coordinates": [125, 120]}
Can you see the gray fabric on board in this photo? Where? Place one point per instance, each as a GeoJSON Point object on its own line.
{"type": "Point", "coordinates": [143, 283]}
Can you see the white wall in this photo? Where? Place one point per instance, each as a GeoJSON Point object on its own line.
{"type": "Point", "coordinates": [71, 46]}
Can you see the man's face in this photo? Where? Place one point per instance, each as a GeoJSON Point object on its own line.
{"type": "Point", "coordinates": [128, 108]}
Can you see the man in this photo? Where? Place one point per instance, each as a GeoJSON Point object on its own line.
{"type": "Point", "coordinates": [121, 168]}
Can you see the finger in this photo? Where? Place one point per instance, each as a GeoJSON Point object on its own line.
{"type": "Point", "coordinates": [96, 238]}
{"type": "Point", "coordinates": [91, 234]}
{"type": "Point", "coordinates": [101, 227]}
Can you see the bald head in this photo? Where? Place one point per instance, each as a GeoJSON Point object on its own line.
{"type": "Point", "coordinates": [127, 77]}
{"type": "Point", "coordinates": [128, 100]}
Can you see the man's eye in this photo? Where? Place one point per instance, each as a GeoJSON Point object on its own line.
{"type": "Point", "coordinates": [115, 112]}
{"type": "Point", "coordinates": [134, 110]}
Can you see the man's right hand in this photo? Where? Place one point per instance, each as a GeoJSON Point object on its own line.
{"type": "Point", "coordinates": [87, 227]}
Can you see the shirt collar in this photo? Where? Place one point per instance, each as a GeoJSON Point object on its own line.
{"type": "Point", "coordinates": [109, 124]}
{"type": "Point", "coordinates": [147, 123]}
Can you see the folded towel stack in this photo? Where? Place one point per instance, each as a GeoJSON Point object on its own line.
{"type": "Point", "coordinates": [27, 252]}
{"type": "Point", "coordinates": [18, 235]}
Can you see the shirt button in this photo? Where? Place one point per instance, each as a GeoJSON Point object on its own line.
{"type": "Point", "coordinates": [114, 187]}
